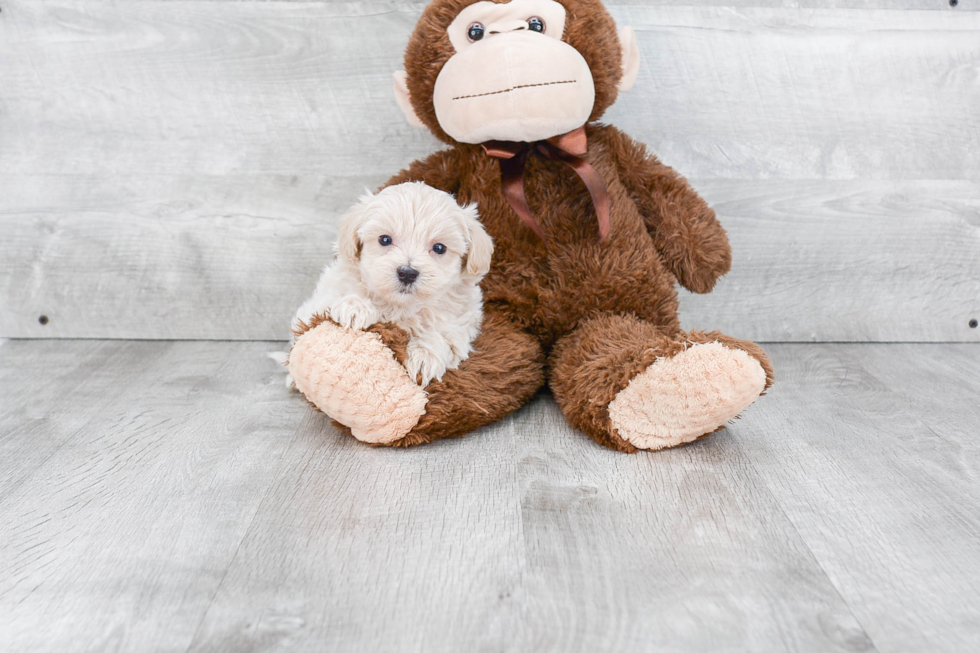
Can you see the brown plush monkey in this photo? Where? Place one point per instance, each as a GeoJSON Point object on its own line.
{"type": "Point", "coordinates": [591, 234]}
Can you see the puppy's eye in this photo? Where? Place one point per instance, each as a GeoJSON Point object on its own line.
{"type": "Point", "coordinates": [385, 241]}
{"type": "Point", "coordinates": [475, 32]}
{"type": "Point", "coordinates": [535, 24]}
{"type": "Point", "coordinates": [439, 248]}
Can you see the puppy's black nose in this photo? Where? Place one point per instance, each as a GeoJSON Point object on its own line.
{"type": "Point", "coordinates": [407, 275]}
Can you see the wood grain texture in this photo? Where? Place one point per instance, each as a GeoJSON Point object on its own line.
{"type": "Point", "coordinates": [180, 498]}
{"type": "Point", "coordinates": [47, 399]}
{"type": "Point", "coordinates": [871, 451]}
{"type": "Point", "coordinates": [524, 537]}
{"type": "Point", "coordinates": [176, 169]}
{"type": "Point", "coordinates": [845, 261]}
{"type": "Point", "coordinates": [165, 257]}
{"type": "Point", "coordinates": [233, 256]}
{"type": "Point", "coordinates": [840, 94]}
{"type": "Point", "coordinates": [354, 7]}
{"type": "Point", "coordinates": [152, 87]}
{"type": "Point", "coordinates": [201, 505]}
{"type": "Point", "coordinates": [137, 471]}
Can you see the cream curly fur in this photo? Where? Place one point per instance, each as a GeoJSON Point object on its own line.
{"type": "Point", "coordinates": [442, 309]}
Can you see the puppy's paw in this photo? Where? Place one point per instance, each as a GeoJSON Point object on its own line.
{"type": "Point", "coordinates": [459, 353]}
{"type": "Point", "coordinates": [354, 312]}
{"type": "Point", "coordinates": [424, 364]}
{"type": "Point", "coordinates": [315, 305]}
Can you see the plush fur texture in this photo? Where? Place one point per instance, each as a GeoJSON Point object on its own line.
{"type": "Point", "coordinates": [442, 308]}
{"type": "Point", "coordinates": [677, 400]}
{"type": "Point", "coordinates": [588, 28]}
{"type": "Point", "coordinates": [586, 316]}
{"type": "Point", "coordinates": [551, 289]}
{"type": "Point", "coordinates": [505, 371]}
{"type": "Point", "coordinates": [362, 385]}
{"type": "Point", "coordinates": [487, 91]}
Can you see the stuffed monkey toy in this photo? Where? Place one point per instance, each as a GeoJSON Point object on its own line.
{"type": "Point", "coordinates": [591, 235]}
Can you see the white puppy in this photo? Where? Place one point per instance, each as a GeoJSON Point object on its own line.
{"type": "Point", "coordinates": [411, 256]}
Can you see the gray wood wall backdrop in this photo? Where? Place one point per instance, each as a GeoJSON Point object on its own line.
{"type": "Point", "coordinates": [175, 169]}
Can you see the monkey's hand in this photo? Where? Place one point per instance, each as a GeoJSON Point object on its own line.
{"type": "Point", "coordinates": [683, 227]}
{"type": "Point", "coordinates": [695, 247]}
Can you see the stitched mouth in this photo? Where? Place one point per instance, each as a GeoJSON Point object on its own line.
{"type": "Point", "coordinates": [514, 88]}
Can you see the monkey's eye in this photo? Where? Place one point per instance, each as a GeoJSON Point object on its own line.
{"type": "Point", "coordinates": [535, 24]}
{"type": "Point", "coordinates": [385, 241]}
{"type": "Point", "coordinates": [475, 32]}
{"type": "Point", "coordinates": [439, 248]}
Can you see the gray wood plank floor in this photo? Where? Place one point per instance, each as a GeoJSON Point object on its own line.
{"type": "Point", "coordinates": [173, 496]}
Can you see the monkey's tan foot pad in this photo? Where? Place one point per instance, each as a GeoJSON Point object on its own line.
{"type": "Point", "coordinates": [354, 378]}
{"type": "Point", "coordinates": [679, 399]}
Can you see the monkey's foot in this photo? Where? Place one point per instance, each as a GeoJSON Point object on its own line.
{"type": "Point", "coordinates": [679, 399]}
{"type": "Point", "coordinates": [353, 377]}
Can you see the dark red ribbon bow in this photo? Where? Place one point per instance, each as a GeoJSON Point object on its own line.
{"type": "Point", "coordinates": [570, 148]}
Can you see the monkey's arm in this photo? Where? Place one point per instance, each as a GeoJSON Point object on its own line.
{"type": "Point", "coordinates": [682, 225]}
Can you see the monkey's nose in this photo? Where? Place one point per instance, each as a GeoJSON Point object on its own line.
{"type": "Point", "coordinates": [407, 275]}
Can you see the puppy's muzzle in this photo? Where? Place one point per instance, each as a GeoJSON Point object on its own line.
{"type": "Point", "coordinates": [407, 275]}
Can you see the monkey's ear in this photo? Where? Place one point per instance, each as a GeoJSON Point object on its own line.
{"type": "Point", "coordinates": [403, 99]}
{"type": "Point", "coordinates": [477, 261]}
{"type": "Point", "coordinates": [348, 243]}
{"type": "Point", "coordinates": [631, 58]}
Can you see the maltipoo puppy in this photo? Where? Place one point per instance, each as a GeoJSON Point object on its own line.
{"type": "Point", "coordinates": [412, 256]}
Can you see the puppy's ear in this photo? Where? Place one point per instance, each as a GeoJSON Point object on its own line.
{"type": "Point", "coordinates": [476, 263]}
{"type": "Point", "coordinates": [348, 243]}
